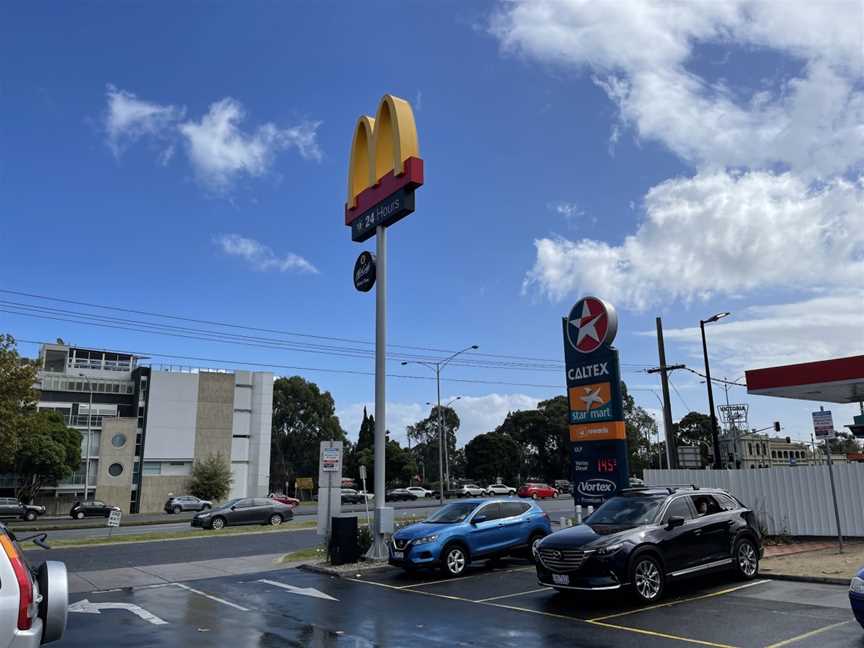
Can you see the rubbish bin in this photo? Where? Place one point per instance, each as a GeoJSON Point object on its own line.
{"type": "Point", "coordinates": [343, 547]}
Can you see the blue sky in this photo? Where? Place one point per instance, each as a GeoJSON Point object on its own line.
{"type": "Point", "coordinates": [191, 160]}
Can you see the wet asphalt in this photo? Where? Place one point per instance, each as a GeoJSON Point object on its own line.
{"type": "Point", "coordinates": [488, 607]}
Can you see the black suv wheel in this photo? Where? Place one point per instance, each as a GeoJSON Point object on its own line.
{"type": "Point", "coordinates": [746, 559]}
{"type": "Point", "coordinates": [647, 578]}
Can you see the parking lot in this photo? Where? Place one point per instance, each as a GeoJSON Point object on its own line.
{"type": "Point", "coordinates": [504, 606]}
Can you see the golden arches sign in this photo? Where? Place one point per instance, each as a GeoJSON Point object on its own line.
{"type": "Point", "coordinates": [381, 145]}
{"type": "Point", "coordinates": [384, 169]}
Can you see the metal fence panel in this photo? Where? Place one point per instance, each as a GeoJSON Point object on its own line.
{"type": "Point", "coordinates": [787, 500]}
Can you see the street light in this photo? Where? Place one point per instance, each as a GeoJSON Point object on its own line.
{"type": "Point", "coordinates": [437, 367]}
{"type": "Point", "coordinates": [446, 449]}
{"type": "Point", "coordinates": [715, 436]}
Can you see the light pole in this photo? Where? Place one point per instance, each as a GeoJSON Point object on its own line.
{"type": "Point", "coordinates": [715, 436]}
{"type": "Point", "coordinates": [446, 450]}
{"type": "Point", "coordinates": [89, 422]}
{"type": "Point", "coordinates": [437, 367]}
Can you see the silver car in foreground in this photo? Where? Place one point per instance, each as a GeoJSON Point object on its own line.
{"type": "Point", "coordinates": [33, 607]}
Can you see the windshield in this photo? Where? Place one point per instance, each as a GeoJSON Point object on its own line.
{"type": "Point", "coordinates": [627, 511]}
{"type": "Point", "coordinates": [452, 513]}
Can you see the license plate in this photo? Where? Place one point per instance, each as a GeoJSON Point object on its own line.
{"type": "Point", "coordinates": [561, 579]}
{"type": "Point", "coordinates": [398, 555]}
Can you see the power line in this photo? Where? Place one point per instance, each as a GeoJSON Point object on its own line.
{"type": "Point", "coordinates": [259, 329]}
{"type": "Point", "coordinates": [680, 397]}
{"type": "Point", "coordinates": [153, 354]}
{"type": "Point", "coordinates": [716, 380]}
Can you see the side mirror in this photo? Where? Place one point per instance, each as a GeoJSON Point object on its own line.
{"type": "Point", "coordinates": [479, 518]}
{"type": "Point", "coordinates": [674, 521]}
{"type": "Point", "coordinates": [234, 507]}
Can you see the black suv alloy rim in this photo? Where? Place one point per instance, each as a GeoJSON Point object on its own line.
{"type": "Point", "coordinates": [647, 580]}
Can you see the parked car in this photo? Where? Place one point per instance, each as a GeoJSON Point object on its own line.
{"type": "Point", "coordinates": [351, 496]}
{"type": "Point", "coordinates": [499, 489]}
{"type": "Point", "coordinates": [180, 503]}
{"type": "Point", "coordinates": [246, 510]}
{"type": "Point", "coordinates": [400, 495]}
{"type": "Point", "coordinates": [467, 490]}
{"type": "Point", "coordinates": [33, 605]}
{"type": "Point", "coordinates": [11, 508]}
{"type": "Point", "coordinates": [462, 532]}
{"type": "Point", "coordinates": [293, 502]}
{"type": "Point", "coordinates": [646, 537]}
{"type": "Point", "coordinates": [91, 508]}
{"type": "Point", "coordinates": [537, 491]}
{"type": "Point", "coordinates": [635, 482]}
{"type": "Point", "coordinates": [419, 492]}
{"type": "Point", "coordinates": [563, 486]}
{"type": "Point", "coordinates": [856, 596]}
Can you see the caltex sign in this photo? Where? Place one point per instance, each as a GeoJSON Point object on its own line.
{"type": "Point", "coordinates": [598, 438]}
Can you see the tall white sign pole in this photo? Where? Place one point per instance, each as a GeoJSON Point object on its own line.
{"type": "Point", "coordinates": [379, 547]}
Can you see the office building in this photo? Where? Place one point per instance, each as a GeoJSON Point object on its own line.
{"type": "Point", "coordinates": [143, 427]}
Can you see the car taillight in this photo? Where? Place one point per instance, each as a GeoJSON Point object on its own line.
{"type": "Point", "coordinates": [25, 582]}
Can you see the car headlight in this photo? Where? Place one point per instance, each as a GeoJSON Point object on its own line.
{"type": "Point", "coordinates": [203, 515]}
{"type": "Point", "coordinates": [857, 585]}
{"type": "Point", "coordinates": [425, 540]}
{"type": "Point", "coordinates": [609, 549]}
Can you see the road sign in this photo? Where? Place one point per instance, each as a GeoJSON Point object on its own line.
{"type": "Point", "coordinates": [331, 459]}
{"type": "Point", "coordinates": [823, 424]}
{"type": "Point", "coordinates": [114, 518]}
{"type": "Point", "coordinates": [363, 473]}
{"type": "Point", "coordinates": [364, 272]}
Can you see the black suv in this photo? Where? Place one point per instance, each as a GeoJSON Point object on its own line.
{"type": "Point", "coordinates": [646, 536]}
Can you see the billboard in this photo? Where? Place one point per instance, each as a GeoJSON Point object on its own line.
{"type": "Point", "coordinates": [598, 437]}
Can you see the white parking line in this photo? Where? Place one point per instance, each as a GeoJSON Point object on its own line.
{"type": "Point", "coordinates": [211, 597]}
{"type": "Point", "coordinates": [503, 596]}
{"type": "Point", "coordinates": [462, 578]}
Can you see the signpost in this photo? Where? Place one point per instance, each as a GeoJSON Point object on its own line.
{"type": "Point", "coordinates": [114, 520]}
{"type": "Point", "coordinates": [384, 170]}
{"type": "Point", "coordinates": [329, 484]}
{"type": "Point", "coordinates": [823, 428]}
{"type": "Point", "coordinates": [365, 499]}
{"type": "Point", "coordinates": [598, 439]}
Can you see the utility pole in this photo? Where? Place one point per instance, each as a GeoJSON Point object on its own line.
{"type": "Point", "coordinates": [663, 370]}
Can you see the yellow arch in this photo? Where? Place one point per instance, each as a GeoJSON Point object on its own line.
{"type": "Point", "coordinates": [381, 145]}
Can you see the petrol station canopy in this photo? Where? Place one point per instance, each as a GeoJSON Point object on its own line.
{"type": "Point", "coordinates": [840, 380]}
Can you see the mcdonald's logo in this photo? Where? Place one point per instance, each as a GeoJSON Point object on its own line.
{"type": "Point", "coordinates": [384, 169]}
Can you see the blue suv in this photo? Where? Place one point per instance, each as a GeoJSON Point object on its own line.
{"type": "Point", "coordinates": [471, 530]}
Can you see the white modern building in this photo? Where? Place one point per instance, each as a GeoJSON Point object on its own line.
{"type": "Point", "coordinates": [143, 427]}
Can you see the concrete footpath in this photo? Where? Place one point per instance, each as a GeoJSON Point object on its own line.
{"type": "Point", "coordinates": [124, 577]}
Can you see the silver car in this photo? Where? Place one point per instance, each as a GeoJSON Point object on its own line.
{"type": "Point", "coordinates": [180, 503]}
{"type": "Point", "coordinates": [32, 609]}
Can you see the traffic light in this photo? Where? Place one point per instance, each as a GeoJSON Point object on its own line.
{"type": "Point", "coordinates": [776, 426]}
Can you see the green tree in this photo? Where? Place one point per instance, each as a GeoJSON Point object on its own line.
{"type": "Point", "coordinates": [366, 437]}
{"type": "Point", "coordinates": [424, 436]}
{"type": "Point", "coordinates": [48, 452]}
{"type": "Point", "coordinates": [303, 416]}
{"type": "Point", "coordinates": [543, 438]}
{"type": "Point", "coordinates": [17, 398]}
{"type": "Point", "coordinates": [694, 429]}
{"type": "Point", "coordinates": [492, 455]}
{"type": "Point", "coordinates": [641, 428]}
{"type": "Point", "coordinates": [211, 478]}
{"type": "Point", "coordinates": [400, 466]}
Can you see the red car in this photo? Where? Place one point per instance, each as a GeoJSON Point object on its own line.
{"type": "Point", "coordinates": [284, 499]}
{"type": "Point", "coordinates": [536, 491]}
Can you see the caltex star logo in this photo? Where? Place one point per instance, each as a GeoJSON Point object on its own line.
{"type": "Point", "coordinates": [591, 324]}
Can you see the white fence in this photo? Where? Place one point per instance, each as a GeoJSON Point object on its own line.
{"type": "Point", "coordinates": [789, 500]}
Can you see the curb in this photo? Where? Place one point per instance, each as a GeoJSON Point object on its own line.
{"type": "Point", "coordinates": [820, 580]}
{"type": "Point", "coordinates": [331, 571]}
{"type": "Point", "coordinates": [63, 527]}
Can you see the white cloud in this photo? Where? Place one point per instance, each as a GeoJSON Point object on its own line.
{"type": "Point", "coordinates": [478, 414]}
{"type": "Point", "coordinates": [129, 118]}
{"type": "Point", "coordinates": [718, 233]}
{"type": "Point", "coordinates": [571, 211]}
{"type": "Point", "coordinates": [639, 52]}
{"type": "Point", "coordinates": [260, 256]}
{"type": "Point", "coordinates": [764, 336]}
{"type": "Point", "coordinates": [220, 152]}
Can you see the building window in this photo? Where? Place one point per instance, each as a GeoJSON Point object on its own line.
{"type": "Point", "coordinates": [773, 454]}
{"type": "Point", "coordinates": [152, 468]}
{"type": "Point", "coordinates": [749, 448]}
{"type": "Point", "coordinates": [118, 440]}
{"type": "Point", "coordinates": [115, 470]}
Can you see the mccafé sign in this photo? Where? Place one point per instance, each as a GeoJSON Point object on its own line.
{"type": "Point", "coordinates": [384, 169]}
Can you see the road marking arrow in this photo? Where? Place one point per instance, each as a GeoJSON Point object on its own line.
{"type": "Point", "coordinates": [303, 591]}
{"type": "Point", "coordinates": [86, 607]}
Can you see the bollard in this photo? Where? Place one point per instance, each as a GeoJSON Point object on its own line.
{"type": "Point", "coordinates": [590, 510]}
{"type": "Point", "coordinates": [578, 514]}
